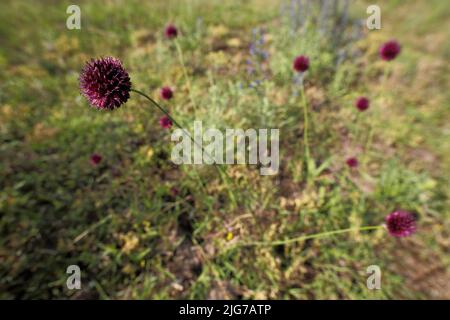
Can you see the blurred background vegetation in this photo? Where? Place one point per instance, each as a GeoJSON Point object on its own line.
{"type": "Point", "coordinates": [141, 227]}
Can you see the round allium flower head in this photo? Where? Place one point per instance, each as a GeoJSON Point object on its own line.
{"type": "Point", "coordinates": [401, 223]}
{"type": "Point", "coordinates": [166, 93]}
{"type": "Point", "coordinates": [390, 50]}
{"type": "Point", "coordinates": [165, 122]}
{"type": "Point", "coordinates": [301, 64]}
{"type": "Point", "coordinates": [95, 159]}
{"type": "Point", "coordinates": [352, 162]}
{"type": "Point", "coordinates": [105, 83]}
{"type": "Point", "coordinates": [362, 103]}
{"type": "Point", "coordinates": [171, 31]}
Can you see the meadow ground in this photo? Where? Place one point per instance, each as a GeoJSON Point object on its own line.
{"type": "Point", "coordinates": [140, 226]}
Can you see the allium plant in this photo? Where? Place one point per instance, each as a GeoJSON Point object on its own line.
{"type": "Point", "coordinates": [362, 103]}
{"type": "Point", "coordinates": [301, 65]}
{"type": "Point", "coordinates": [352, 162]}
{"type": "Point", "coordinates": [171, 31]}
{"type": "Point", "coordinates": [390, 50]}
{"type": "Point", "coordinates": [165, 122]}
{"type": "Point", "coordinates": [106, 85]}
{"type": "Point", "coordinates": [398, 224]}
{"type": "Point", "coordinates": [95, 159]}
{"type": "Point", "coordinates": [401, 224]}
{"type": "Point", "coordinates": [166, 93]}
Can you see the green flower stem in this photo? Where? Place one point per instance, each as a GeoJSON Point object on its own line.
{"type": "Point", "coordinates": [307, 237]}
{"type": "Point", "coordinates": [162, 110]}
{"type": "Point", "coordinates": [223, 174]}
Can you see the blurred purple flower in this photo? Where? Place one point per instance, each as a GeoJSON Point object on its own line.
{"type": "Point", "coordinates": [362, 103]}
{"type": "Point", "coordinates": [165, 122]}
{"type": "Point", "coordinates": [171, 31]}
{"type": "Point", "coordinates": [166, 93]}
{"type": "Point", "coordinates": [352, 162]}
{"type": "Point", "coordinates": [390, 50]}
{"type": "Point", "coordinates": [301, 64]}
{"type": "Point", "coordinates": [401, 223]}
{"type": "Point", "coordinates": [95, 159]}
{"type": "Point", "coordinates": [105, 83]}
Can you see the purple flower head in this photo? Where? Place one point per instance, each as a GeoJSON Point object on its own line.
{"type": "Point", "coordinates": [362, 103]}
{"type": "Point", "coordinates": [390, 50]}
{"type": "Point", "coordinates": [352, 162]}
{"type": "Point", "coordinates": [105, 83]}
{"type": "Point", "coordinates": [301, 64]}
{"type": "Point", "coordinates": [166, 93]}
{"type": "Point", "coordinates": [171, 31]}
{"type": "Point", "coordinates": [95, 159]}
{"type": "Point", "coordinates": [165, 122]}
{"type": "Point", "coordinates": [401, 224]}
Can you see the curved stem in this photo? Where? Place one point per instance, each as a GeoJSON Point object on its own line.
{"type": "Point", "coordinates": [307, 237]}
{"type": "Point", "coordinates": [156, 104]}
{"type": "Point", "coordinates": [223, 174]}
